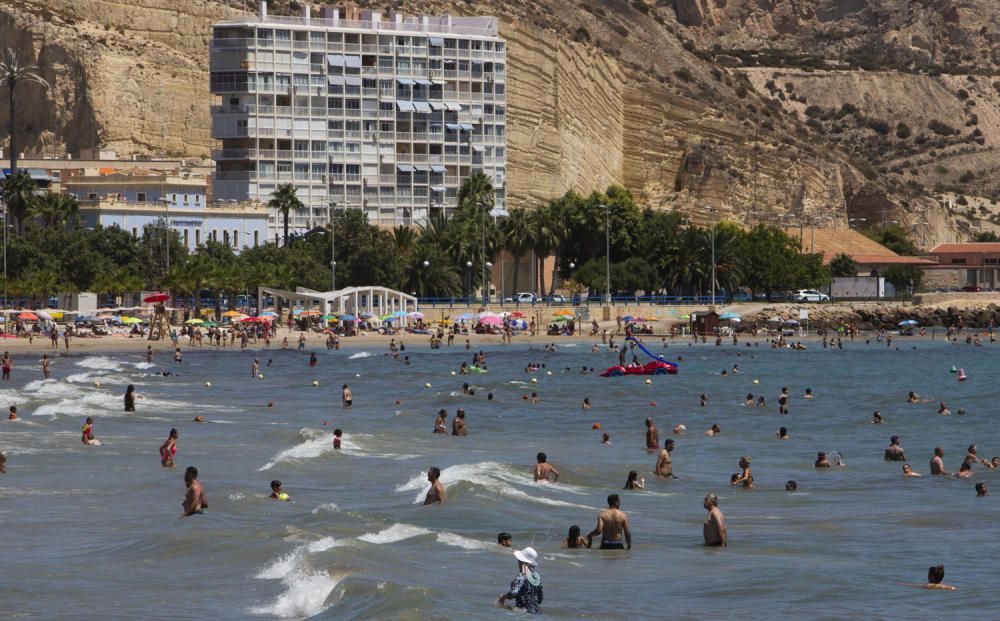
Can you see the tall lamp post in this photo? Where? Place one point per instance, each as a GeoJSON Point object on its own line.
{"type": "Point", "coordinates": [333, 248]}
{"type": "Point", "coordinates": [423, 280]}
{"type": "Point", "coordinates": [607, 254]}
{"type": "Point", "coordinates": [468, 279]}
{"type": "Point", "coordinates": [486, 290]}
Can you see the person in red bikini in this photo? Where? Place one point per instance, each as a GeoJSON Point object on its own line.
{"type": "Point", "coordinates": [168, 449]}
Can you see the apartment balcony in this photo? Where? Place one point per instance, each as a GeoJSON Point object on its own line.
{"type": "Point", "coordinates": [230, 44]}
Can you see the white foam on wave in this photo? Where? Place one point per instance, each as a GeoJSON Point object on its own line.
{"type": "Point", "coordinates": [396, 532]}
{"type": "Point", "coordinates": [360, 354]}
{"type": "Point", "coordinates": [329, 506]}
{"type": "Point", "coordinates": [306, 589]}
{"type": "Point", "coordinates": [459, 541]}
{"type": "Point", "coordinates": [315, 443]}
{"type": "Point", "coordinates": [144, 365]}
{"type": "Point", "coordinates": [487, 474]}
{"type": "Point", "coordinates": [100, 362]}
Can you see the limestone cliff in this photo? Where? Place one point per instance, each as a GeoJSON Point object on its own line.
{"type": "Point", "coordinates": [686, 102]}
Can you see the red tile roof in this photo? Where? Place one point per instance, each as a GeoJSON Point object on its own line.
{"type": "Point", "coordinates": [865, 259]}
{"type": "Point", "coordinates": [966, 248]}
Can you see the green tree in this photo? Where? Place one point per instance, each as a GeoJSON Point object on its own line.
{"type": "Point", "coordinates": [158, 246]}
{"type": "Point", "coordinates": [843, 265]}
{"type": "Point", "coordinates": [284, 200]}
{"type": "Point", "coordinates": [516, 233]}
{"type": "Point", "coordinates": [18, 192]}
{"type": "Point", "coordinates": [986, 237]}
{"type": "Point", "coordinates": [895, 238]}
{"type": "Point", "coordinates": [54, 209]}
{"type": "Point", "coordinates": [905, 278]}
{"type": "Point", "coordinates": [13, 71]}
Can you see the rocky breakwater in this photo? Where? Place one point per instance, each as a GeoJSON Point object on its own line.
{"type": "Point", "coordinates": [882, 316]}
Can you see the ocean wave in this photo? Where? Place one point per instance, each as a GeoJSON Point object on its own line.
{"type": "Point", "coordinates": [465, 543]}
{"type": "Point", "coordinates": [307, 590]}
{"type": "Point", "coordinates": [396, 532]}
{"type": "Point", "coordinates": [327, 507]}
{"type": "Point", "coordinates": [100, 362]}
{"type": "Point", "coordinates": [489, 475]}
{"type": "Point", "coordinates": [360, 354]}
{"type": "Point", "coordinates": [315, 444]}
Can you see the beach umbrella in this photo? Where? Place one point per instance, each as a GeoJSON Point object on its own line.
{"type": "Point", "coordinates": [269, 313]}
{"type": "Point", "coordinates": [729, 316]}
{"type": "Point", "coordinates": [131, 320]}
{"type": "Point", "coordinates": [366, 315]}
{"type": "Point", "coordinates": [329, 318]}
{"type": "Point", "coordinates": [153, 298]}
{"type": "Point", "coordinates": [559, 318]}
{"type": "Point", "coordinates": [774, 319]}
{"type": "Point", "coordinates": [389, 319]}
{"type": "Point", "coordinates": [489, 315]}
{"type": "Point", "coordinates": [791, 322]}
{"type": "Point", "coordinates": [44, 315]}
{"type": "Point", "coordinates": [296, 311]}
{"type": "Point", "coordinates": [348, 318]}
{"type": "Point", "coordinates": [490, 320]}
{"type": "Point", "coordinates": [416, 315]}
{"type": "Point", "coordinates": [464, 317]}
{"type": "Point", "coordinates": [685, 317]}
{"type": "Point", "coordinates": [57, 315]}
{"type": "Point", "coordinates": [625, 318]}
{"type": "Point", "coordinates": [28, 316]}
{"type": "Point", "coordinates": [78, 318]}
{"type": "Point", "coordinates": [909, 322]}
{"type": "Point", "coordinates": [233, 313]}
{"type": "Point", "coordinates": [445, 322]}
{"type": "Point", "coordinates": [209, 324]}
{"type": "Point", "coordinates": [191, 322]}
{"type": "Point", "coordinates": [565, 313]}
{"type": "Point", "coordinates": [517, 314]}
{"type": "Point", "coordinates": [519, 324]}
{"type": "Point", "coordinates": [310, 313]}
{"type": "Point", "coordinates": [400, 313]}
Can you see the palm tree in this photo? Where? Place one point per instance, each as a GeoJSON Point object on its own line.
{"type": "Point", "coordinates": [545, 238]}
{"type": "Point", "coordinates": [13, 72]}
{"type": "Point", "coordinates": [18, 190]}
{"type": "Point", "coordinates": [284, 199]}
{"type": "Point", "coordinates": [476, 189]}
{"type": "Point", "coordinates": [517, 238]}
{"type": "Point", "coordinates": [56, 210]}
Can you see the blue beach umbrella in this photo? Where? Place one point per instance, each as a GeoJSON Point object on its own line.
{"type": "Point", "coordinates": [348, 318]}
{"type": "Point", "coordinates": [909, 322]}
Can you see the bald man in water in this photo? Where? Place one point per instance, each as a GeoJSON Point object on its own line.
{"type": "Point", "coordinates": [714, 529]}
{"type": "Point", "coordinates": [937, 463]}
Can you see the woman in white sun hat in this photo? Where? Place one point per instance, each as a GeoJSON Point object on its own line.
{"type": "Point", "coordinates": [526, 587]}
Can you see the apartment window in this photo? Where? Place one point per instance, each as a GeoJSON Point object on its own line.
{"type": "Point", "coordinates": [197, 237]}
{"type": "Point", "coordinates": [215, 235]}
{"type": "Point", "coordinates": [141, 197]}
{"type": "Point", "coordinates": [958, 261]}
{"type": "Point", "coordinates": [92, 196]}
{"type": "Point", "coordinates": [185, 199]}
{"type": "Point", "coordinates": [225, 237]}
{"type": "Point", "coordinates": [236, 238]}
{"type": "Point", "coordinates": [256, 240]}
{"type": "Point", "coordinates": [186, 239]}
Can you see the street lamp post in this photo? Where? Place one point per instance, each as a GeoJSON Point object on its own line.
{"type": "Point", "coordinates": [486, 291]}
{"type": "Point", "coordinates": [607, 253]}
{"type": "Point", "coordinates": [333, 248]}
{"type": "Point", "coordinates": [423, 280]}
{"type": "Point", "coordinates": [468, 279]}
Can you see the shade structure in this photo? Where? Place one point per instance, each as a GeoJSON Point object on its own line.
{"type": "Point", "coordinates": [909, 322]}
{"type": "Point", "coordinates": [27, 316]}
{"type": "Point", "coordinates": [491, 320]}
{"type": "Point", "coordinates": [131, 320]}
{"type": "Point", "coordinates": [153, 298]}
{"type": "Point", "coordinates": [194, 322]}
{"type": "Point", "coordinates": [729, 316]}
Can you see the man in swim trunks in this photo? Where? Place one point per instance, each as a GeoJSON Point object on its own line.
{"type": "Point", "coordinates": [545, 470]}
{"type": "Point", "coordinates": [195, 500]}
{"type": "Point", "coordinates": [611, 523]}
{"type": "Point", "coordinates": [714, 529]}
{"type": "Point", "coordinates": [347, 396]}
{"type": "Point", "coordinates": [895, 451]}
{"type": "Point", "coordinates": [652, 436]}
{"type": "Point", "coordinates": [664, 463]}
{"type": "Point", "coordinates": [436, 493]}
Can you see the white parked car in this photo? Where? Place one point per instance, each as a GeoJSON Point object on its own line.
{"type": "Point", "coordinates": [809, 295]}
{"type": "Point", "coordinates": [525, 298]}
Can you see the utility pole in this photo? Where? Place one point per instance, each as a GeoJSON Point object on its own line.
{"type": "Point", "coordinates": [607, 256]}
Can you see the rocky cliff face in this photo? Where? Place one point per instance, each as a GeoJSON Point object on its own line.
{"type": "Point", "coordinates": [686, 102]}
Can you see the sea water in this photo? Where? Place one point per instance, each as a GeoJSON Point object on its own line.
{"type": "Point", "coordinates": [93, 532]}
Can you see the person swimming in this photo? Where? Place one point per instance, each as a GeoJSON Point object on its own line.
{"type": "Point", "coordinates": [277, 493]}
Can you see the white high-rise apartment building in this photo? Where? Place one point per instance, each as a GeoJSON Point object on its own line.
{"type": "Point", "coordinates": [387, 114]}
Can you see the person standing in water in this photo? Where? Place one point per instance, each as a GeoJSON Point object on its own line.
{"type": "Point", "coordinates": [168, 449]}
{"type": "Point", "coordinates": [458, 426]}
{"type": "Point", "coordinates": [894, 452]}
{"type": "Point", "coordinates": [714, 529]}
{"type": "Point", "coordinates": [255, 368]}
{"type": "Point", "coordinates": [346, 397]}
{"type": "Point", "coordinates": [611, 524]}
{"type": "Point", "coordinates": [149, 353]}
{"type": "Point", "coordinates": [436, 493]}
{"type": "Point", "coordinates": [440, 421]}
{"type": "Point", "coordinates": [130, 398]}
{"type": "Point", "coordinates": [195, 500]}
{"type": "Point", "coordinates": [652, 435]}
{"type": "Point", "coordinates": [745, 478]}
{"type": "Point", "coordinates": [526, 587]}
{"type": "Point", "coordinates": [545, 471]}
{"type": "Point", "coordinates": [7, 363]}
{"type": "Point", "coordinates": [937, 462]}
{"type": "Point", "coordinates": [312, 360]}
{"type": "Point", "coordinates": [46, 369]}
{"type": "Point", "coordinates": [664, 463]}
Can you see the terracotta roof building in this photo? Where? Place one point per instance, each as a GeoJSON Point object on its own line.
{"type": "Point", "coordinates": [866, 252]}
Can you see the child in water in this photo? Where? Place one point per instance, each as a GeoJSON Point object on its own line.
{"type": "Point", "coordinates": [337, 433]}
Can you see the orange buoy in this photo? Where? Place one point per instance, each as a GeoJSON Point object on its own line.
{"type": "Point", "coordinates": [596, 426]}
